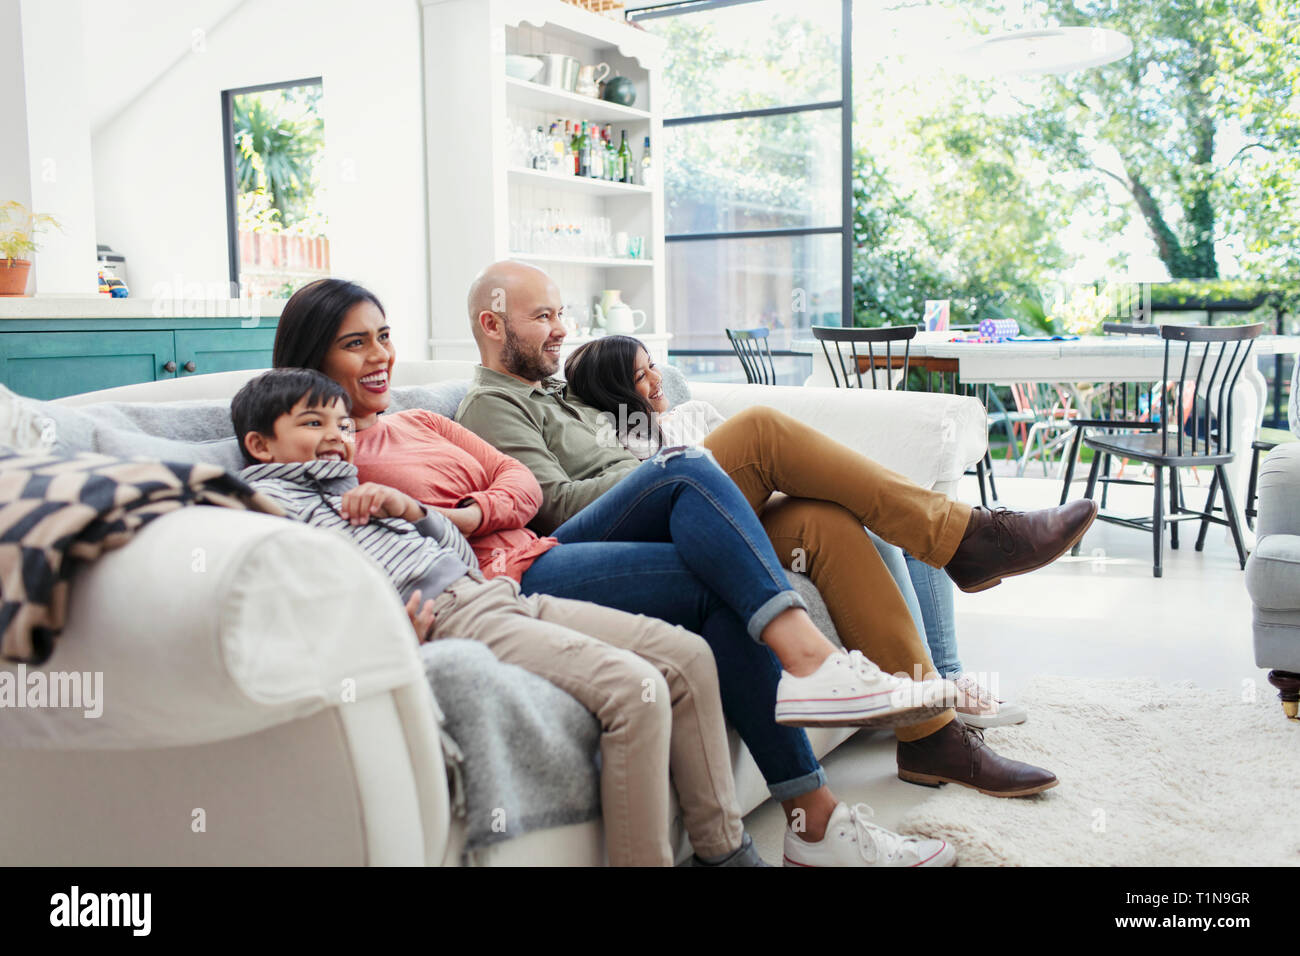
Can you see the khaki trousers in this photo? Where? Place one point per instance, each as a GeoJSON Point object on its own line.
{"type": "Point", "coordinates": [652, 686]}
{"type": "Point", "coordinates": [814, 495]}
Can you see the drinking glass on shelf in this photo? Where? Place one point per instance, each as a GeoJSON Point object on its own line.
{"type": "Point", "coordinates": [635, 245]}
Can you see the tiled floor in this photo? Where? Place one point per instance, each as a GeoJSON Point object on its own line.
{"type": "Point", "coordinates": [1101, 614]}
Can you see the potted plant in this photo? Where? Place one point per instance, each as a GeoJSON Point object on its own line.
{"type": "Point", "coordinates": [18, 228]}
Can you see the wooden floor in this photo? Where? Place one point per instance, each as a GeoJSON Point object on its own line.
{"type": "Point", "coordinates": [1101, 614]}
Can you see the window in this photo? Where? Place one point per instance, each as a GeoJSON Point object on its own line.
{"type": "Point", "coordinates": [275, 143]}
{"type": "Point", "coordinates": [756, 159]}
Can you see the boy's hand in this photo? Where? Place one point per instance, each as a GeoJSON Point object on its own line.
{"type": "Point", "coordinates": [422, 618]}
{"type": "Point", "coordinates": [465, 519]}
{"type": "Point", "coordinates": [373, 500]}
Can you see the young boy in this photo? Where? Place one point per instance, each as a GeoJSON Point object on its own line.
{"type": "Point", "coordinates": [653, 687]}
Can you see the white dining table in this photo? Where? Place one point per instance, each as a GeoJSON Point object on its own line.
{"type": "Point", "coordinates": [1110, 358]}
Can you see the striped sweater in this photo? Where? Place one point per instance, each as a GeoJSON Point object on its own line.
{"type": "Point", "coordinates": [428, 555]}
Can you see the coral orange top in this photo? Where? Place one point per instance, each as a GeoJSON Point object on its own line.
{"type": "Point", "coordinates": [436, 461]}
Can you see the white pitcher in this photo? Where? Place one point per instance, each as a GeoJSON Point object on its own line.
{"type": "Point", "coordinates": [617, 317]}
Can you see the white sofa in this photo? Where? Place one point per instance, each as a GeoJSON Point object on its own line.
{"type": "Point", "coordinates": [224, 739]}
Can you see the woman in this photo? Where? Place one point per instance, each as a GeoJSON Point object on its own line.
{"type": "Point", "coordinates": [616, 376]}
{"type": "Point", "coordinates": [691, 553]}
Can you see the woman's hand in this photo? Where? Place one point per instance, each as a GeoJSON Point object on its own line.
{"type": "Point", "coordinates": [373, 500]}
{"type": "Point", "coordinates": [422, 618]}
{"type": "Point", "coordinates": [465, 519]}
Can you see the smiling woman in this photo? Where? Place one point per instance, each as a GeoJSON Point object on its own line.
{"type": "Point", "coordinates": [339, 328]}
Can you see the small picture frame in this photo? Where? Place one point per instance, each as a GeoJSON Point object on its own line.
{"type": "Point", "coordinates": [936, 315]}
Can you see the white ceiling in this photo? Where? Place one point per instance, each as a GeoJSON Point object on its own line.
{"type": "Point", "coordinates": [129, 44]}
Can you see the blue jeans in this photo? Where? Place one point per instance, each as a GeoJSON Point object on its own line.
{"type": "Point", "coordinates": [928, 593]}
{"type": "Point", "coordinates": [676, 540]}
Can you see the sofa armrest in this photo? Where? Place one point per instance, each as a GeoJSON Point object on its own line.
{"type": "Point", "coordinates": [212, 624]}
{"type": "Point", "coordinates": [1279, 492]}
{"type": "Point", "coordinates": [930, 438]}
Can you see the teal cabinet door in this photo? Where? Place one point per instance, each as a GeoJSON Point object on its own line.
{"type": "Point", "coordinates": [48, 365]}
{"type": "Point", "coordinates": [201, 351]}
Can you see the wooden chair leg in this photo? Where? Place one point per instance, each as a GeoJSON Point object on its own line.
{"type": "Point", "coordinates": [993, 485]}
{"type": "Point", "coordinates": [1158, 525]}
{"type": "Point", "coordinates": [1251, 514]}
{"type": "Point", "coordinates": [1230, 507]}
{"type": "Point", "coordinates": [1076, 441]}
{"type": "Point", "coordinates": [1105, 485]}
{"type": "Point", "coordinates": [1097, 456]}
{"type": "Point", "coordinates": [1288, 685]}
{"type": "Point", "coordinates": [1209, 509]}
{"type": "Point", "coordinates": [1173, 508]}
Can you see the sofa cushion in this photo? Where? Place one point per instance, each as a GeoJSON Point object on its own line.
{"type": "Point", "coordinates": [198, 430]}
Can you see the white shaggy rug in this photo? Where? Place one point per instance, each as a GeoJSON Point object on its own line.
{"type": "Point", "coordinates": [1151, 775]}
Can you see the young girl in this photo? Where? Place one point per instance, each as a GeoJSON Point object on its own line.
{"type": "Point", "coordinates": [616, 376]}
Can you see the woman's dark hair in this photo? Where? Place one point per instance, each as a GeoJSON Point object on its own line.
{"type": "Point", "coordinates": [602, 373]}
{"type": "Point", "coordinates": [311, 319]}
{"type": "Point", "coordinates": [262, 400]}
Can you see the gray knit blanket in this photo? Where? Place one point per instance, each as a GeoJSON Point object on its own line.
{"type": "Point", "coordinates": [523, 754]}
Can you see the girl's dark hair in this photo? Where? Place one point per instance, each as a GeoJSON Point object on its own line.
{"type": "Point", "coordinates": [262, 400]}
{"type": "Point", "coordinates": [602, 373]}
{"type": "Point", "coordinates": [311, 319]}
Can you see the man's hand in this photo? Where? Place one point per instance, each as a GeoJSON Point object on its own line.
{"type": "Point", "coordinates": [373, 500]}
{"type": "Point", "coordinates": [422, 618]}
{"type": "Point", "coordinates": [465, 519]}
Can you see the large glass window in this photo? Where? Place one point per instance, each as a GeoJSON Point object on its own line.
{"type": "Point", "coordinates": [754, 158]}
{"type": "Point", "coordinates": [275, 145]}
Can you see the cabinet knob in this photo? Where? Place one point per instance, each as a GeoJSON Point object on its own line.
{"type": "Point", "coordinates": [169, 367]}
{"type": "Point", "coordinates": [188, 366]}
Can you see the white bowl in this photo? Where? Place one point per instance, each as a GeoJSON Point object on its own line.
{"type": "Point", "coordinates": [522, 67]}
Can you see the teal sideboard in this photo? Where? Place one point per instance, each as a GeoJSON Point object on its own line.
{"type": "Point", "coordinates": [51, 358]}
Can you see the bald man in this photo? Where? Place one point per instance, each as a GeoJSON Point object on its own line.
{"type": "Point", "coordinates": [517, 405]}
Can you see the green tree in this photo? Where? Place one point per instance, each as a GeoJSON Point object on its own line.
{"type": "Point", "coordinates": [279, 137]}
{"type": "Point", "coordinates": [1153, 121]}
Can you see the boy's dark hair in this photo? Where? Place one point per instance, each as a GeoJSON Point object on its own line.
{"type": "Point", "coordinates": [264, 399]}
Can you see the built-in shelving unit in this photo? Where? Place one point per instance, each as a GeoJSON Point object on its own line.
{"type": "Point", "coordinates": [478, 191]}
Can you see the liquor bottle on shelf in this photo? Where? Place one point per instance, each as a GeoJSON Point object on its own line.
{"type": "Point", "coordinates": [555, 158]}
{"type": "Point", "coordinates": [624, 161]}
{"type": "Point", "coordinates": [647, 165]}
{"type": "Point", "coordinates": [611, 156]}
{"type": "Point", "coordinates": [597, 153]}
{"type": "Point", "coordinates": [575, 151]}
{"type": "Point", "coordinates": [584, 152]}
{"type": "Point", "coordinates": [537, 150]}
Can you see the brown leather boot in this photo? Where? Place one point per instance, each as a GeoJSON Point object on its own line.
{"type": "Point", "coordinates": [1001, 544]}
{"type": "Point", "coordinates": [958, 754]}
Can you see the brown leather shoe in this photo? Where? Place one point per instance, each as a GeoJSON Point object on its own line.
{"type": "Point", "coordinates": [1001, 544]}
{"type": "Point", "coordinates": [958, 754]}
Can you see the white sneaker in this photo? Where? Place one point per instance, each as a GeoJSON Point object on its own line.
{"type": "Point", "coordinates": [978, 708]}
{"type": "Point", "coordinates": [848, 690]}
{"type": "Point", "coordinates": [853, 841]}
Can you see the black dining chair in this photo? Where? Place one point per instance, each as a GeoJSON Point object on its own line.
{"type": "Point", "coordinates": [870, 339]}
{"type": "Point", "coordinates": [1203, 439]}
{"type": "Point", "coordinates": [755, 353]}
{"type": "Point", "coordinates": [847, 370]}
{"type": "Point", "coordinates": [1122, 411]}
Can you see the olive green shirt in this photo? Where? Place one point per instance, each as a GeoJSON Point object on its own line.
{"type": "Point", "coordinates": [558, 438]}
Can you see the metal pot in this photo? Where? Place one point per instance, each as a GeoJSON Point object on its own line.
{"type": "Point", "coordinates": [561, 71]}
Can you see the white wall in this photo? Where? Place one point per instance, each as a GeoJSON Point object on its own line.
{"type": "Point", "coordinates": [58, 141]}
{"type": "Point", "coordinates": [15, 165]}
{"type": "Point", "coordinates": [158, 164]}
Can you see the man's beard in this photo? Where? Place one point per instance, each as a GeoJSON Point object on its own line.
{"type": "Point", "coordinates": [528, 367]}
